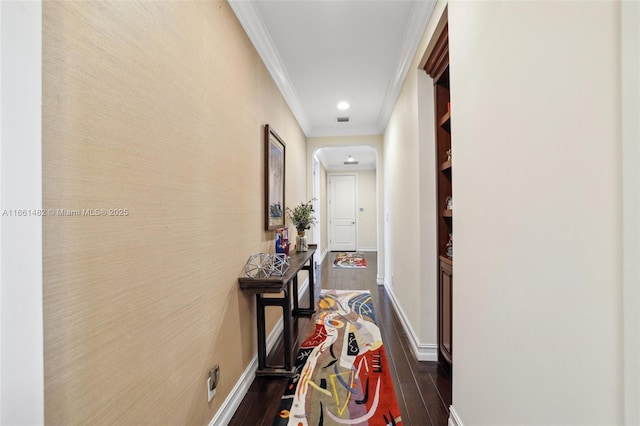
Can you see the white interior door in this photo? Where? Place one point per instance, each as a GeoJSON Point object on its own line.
{"type": "Point", "coordinates": [342, 212]}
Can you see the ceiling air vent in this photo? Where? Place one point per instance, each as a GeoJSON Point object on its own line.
{"type": "Point", "coordinates": [350, 161]}
{"type": "Point", "coordinates": [343, 119]}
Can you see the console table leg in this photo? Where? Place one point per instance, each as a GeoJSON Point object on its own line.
{"type": "Point", "coordinates": [287, 284]}
{"type": "Point", "coordinates": [294, 287]}
{"type": "Point", "coordinates": [312, 285]}
{"type": "Point", "coordinates": [306, 312]}
{"type": "Point", "coordinates": [286, 308]}
{"type": "Point", "coordinates": [262, 339]}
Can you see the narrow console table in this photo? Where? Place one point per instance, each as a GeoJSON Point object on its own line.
{"type": "Point", "coordinates": [286, 284]}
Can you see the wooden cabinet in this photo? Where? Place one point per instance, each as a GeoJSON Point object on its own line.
{"type": "Point", "coordinates": [437, 67]}
{"type": "Point", "coordinates": [445, 304]}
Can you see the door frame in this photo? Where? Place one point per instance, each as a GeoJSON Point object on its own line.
{"type": "Point", "coordinates": [317, 237]}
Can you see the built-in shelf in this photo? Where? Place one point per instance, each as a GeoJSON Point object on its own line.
{"type": "Point", "coordinates": [445, 120]}
{"type": "Point", "coordinates": [437, 66]}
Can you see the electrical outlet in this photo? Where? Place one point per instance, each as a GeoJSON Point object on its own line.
{"type": "Point", "coordinates": [212, 382]}
{"type": "Point", "coordinates": [210, 392]}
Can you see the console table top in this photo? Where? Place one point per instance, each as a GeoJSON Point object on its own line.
{"type": "Point", "coordinates": [276, 284]}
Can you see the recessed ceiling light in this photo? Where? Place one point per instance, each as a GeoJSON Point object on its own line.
{"type": "Point", "coordinates": [343, 105]}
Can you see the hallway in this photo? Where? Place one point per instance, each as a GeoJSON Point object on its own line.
{"type": "Point", "coordinates": [133, 191]}
{"type": "Point", "coordinates": [423, 389]}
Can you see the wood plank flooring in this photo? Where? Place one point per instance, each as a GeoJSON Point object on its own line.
{"type": "Point", "coordinates": [423, 388]}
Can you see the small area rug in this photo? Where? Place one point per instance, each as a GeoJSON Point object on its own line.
{"type": "Point", "coordinates": [349, 260]}
{"type": "Point", "coordinates": [342, 375]}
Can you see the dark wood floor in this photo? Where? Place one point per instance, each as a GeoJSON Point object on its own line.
{"type": "Point", "coordinates": [423, 388]}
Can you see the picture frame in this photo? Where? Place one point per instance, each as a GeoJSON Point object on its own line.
{"type": "Point", "coordinates": [274, 180]}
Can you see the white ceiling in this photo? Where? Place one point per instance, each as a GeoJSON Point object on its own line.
{"type": "Point", "coordinates": [321, 52]}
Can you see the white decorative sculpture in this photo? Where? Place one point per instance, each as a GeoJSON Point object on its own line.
{"type": "Point", "coordinates": [259, 265]}
{"type": "Point", "coordinates": [280, 263]}
{"type": "Point", "coordinates": [264, 265]}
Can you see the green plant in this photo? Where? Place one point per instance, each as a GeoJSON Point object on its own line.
{"type": "Point", "coordinates": [302, 216]}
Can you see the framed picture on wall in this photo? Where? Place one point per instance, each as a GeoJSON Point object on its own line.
{"type": "Point", "coordinates": [274, 179]}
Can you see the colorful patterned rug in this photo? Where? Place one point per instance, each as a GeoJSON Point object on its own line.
{"type": "Point", "coordinates": [342, 375]}
{"type": "Point", "coordinates": [349, 260]}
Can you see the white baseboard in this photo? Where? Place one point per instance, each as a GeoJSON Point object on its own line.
{"type": "Point", "coordinates": [422, 351]}
{"type": "Point", "coordinates": [367, 249]}
{"type": "Point", "coordinates": [230, 405]}
{"type": "Point", "coordinates": [454, 419]}
{"type": "Point", "coordinates": [379, 280]}
{"type": "Point", "coordinates": [324, 253]}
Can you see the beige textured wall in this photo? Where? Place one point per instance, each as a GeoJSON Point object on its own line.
{"type": "Point", "coordinates": [157, 108]}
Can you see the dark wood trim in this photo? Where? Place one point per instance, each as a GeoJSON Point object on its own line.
{"type": "Point", "coordinates": [439, 58]}
{"type": "Point", "coordinates": [445, 290]}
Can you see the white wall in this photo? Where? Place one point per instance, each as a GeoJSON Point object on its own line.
{"type": "Point", "coordinates": [537, 277]}
{"type": "Point", "coordinates": [402, 204]}
{"type": "Point", "coordinates": [21, 357]}
{"type": "Point", "coordinates": [630, 17]}
{"type": "Point", "coordinates": [410, 213]}
{"type": "Point", "coordinates": [428, 216]}
{"type": "Point", "coordinates": [366, 211]}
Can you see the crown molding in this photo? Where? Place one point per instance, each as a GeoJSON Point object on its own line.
{"type": "Point", "coordinates": [249, 17]}
{"type": "Point", "coordinates": [418, 20]}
